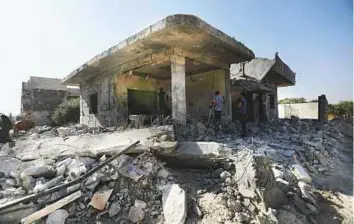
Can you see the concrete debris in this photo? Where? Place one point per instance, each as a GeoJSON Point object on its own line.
{"type": "Point", "coordinates": [174, 204]}
{"type": "Point", "coordinates": [57, 217]}
{"type": "Point", "coordinates": [271, 177]}
{"type": "Point", "coordinates": [100, 198]}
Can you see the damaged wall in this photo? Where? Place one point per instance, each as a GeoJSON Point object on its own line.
{"type": "Point", "coordinates": [301, 110]}
{"type": "Point", "coordinates": [112, 94]}
{"type": "Point", "coordinates": [40, 96]}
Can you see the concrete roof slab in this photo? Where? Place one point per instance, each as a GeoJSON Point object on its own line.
{"type": "Point", "coordinates": [184, 31]}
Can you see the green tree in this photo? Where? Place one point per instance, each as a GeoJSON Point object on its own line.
{"type": "Point", "coordinates": [292, 100]}
{"type": "Point", "coordinates": [342, 109]}
{"type": "Point", "coordinates": [67, 112]}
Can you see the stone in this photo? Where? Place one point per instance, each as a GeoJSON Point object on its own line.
{"type": "Point", "coordinates": [100, 198]}
{"type": "Point", "coordinates": [274, 197]}
{"type": "Point", "coordinates": [47, 185]}
{"type": "Point", "coordinates": [136, 214]}
{"type": "Point", "coordinates": [163, 173]}
{"type": "Point", "coordinates": [61, 170]}
{"type": "Point", "coordinates": [163, 138]}
{"type": "Point", "coordinates": [140, 204]}
{"type": "Point", "coordinates": [114, 209]}
{"type": "Point", "coordinates": [225, 175]}
{"type": "Point", "coordinates": [92, 181]}
{"type": "Point", "coordinates": [57, 217]}
{"type": "Point", "coordinates": [247, 193]}
{"type": "Point", "coordinates": [277, 173]}
{"type": "Point", "coordinates": [127, 169]}
{"type": "Point", "coordinates": [242, 217]}
{"type": "Point", "coordinates": [165, 147]}
{"type": "Point", "coordinates": [75, 169]}
{"type": "Point", "coordinates": [39, 171]}
{"type": "Point", "coordinates": [11, 182]}
{"type": "Point", "coordinates": [218, 172]}
{"type": "Point", "coordinates": [115, 176]}
{"type": "Point", "coordinates": [174, 204]}
{"type": "Point", "coordinates": [300, 173]}
{"type": "Point", "coordinates": [323, 161]}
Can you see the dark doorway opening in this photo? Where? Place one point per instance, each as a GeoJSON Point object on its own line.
{"type": "Point", "coordinates": [142, 102]}
{"type": "Point", "coordinates": [93, 103]}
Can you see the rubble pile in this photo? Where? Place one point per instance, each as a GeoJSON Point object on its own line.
{"type": "Point", "coordinates": [272, 177]}
{"type": "Point", "coordinates": [129, 188]}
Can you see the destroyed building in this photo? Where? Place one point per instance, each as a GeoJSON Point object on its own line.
{"type": "Point", "coordinates": [40, 96]}
{"type": "Point", "coordinates": [182, 54]}
{"type": "Point", "coordinates": [259, 79]}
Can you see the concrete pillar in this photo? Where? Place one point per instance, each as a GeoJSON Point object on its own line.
{"type": "Point", "coordinates": [228, 108]}
{"type": "Point", "coordinates": [178, 89]}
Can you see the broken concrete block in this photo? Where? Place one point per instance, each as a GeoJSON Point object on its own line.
{"type": "Point", "coordinates": [114, 209]}
{"type": "Point", "coordinates": [39, 171]}
{"type": "Point", "coordinates": [47, 185]}
{"type": "Point", "coordinates": [225, 175]}
{"type": "Point", "coordinates": [300, 173]}
{"type": "Point", "coordinates": [100, 198]}
{"type": "Point", "coordinates": [165, 147]}
{"type": "Point", "coordinates": [57, 217]}
{"type": "Point", "coordinates": [136, 214]}
{"type": "Point", "coordinates": [127, 169]}
{"type": "Point", "coordinates": [75, 169]}
{"type": "Point", "coordinates": [277, 173]}
{"type": "Point", "coordinates": [174, 204]}
{"type": "Point", "coordinates": [9, 164]}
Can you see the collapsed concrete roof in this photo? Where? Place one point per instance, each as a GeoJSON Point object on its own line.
{"type": "Point", "coordinates": [180, 31]}
{"type": "Point", "coordinates": [269, 70]}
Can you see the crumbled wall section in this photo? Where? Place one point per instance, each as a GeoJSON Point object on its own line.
{"type": "Point", "coordinates": [40, 96]}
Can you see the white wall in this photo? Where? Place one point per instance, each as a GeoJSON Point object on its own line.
{"type": "Point", "coordinates": [301, 110]}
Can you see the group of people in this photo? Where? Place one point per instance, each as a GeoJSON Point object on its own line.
{"type": "Point", "coordinates": [217, 105]}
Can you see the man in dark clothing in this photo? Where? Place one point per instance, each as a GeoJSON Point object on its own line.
{"type": "Point", "coordinates": [243, 114]}
{"type": "Point", "coordinates": [5, 127]}
{"type": "Point", "coordinates": [162, 101]}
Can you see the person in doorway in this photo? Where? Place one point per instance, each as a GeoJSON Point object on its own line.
{"type": "Point", "coordinates": [162, 101]}
{"type": "Point", "coordinates": [243, 114]}
{"type": "Point", "coordinates": [218, 104]}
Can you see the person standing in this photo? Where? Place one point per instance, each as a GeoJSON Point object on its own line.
{"type": "Point", "coordinates": [162, 101]}
{"type": "Point", "coordinates": [243, 114]}
{"type": "Point", "coordinates": [218, 104]}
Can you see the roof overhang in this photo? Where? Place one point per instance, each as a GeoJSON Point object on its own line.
{"type": "Point", "coordinates": [185, 32]}
{"type": "Point", "coordinates": [274, 71]}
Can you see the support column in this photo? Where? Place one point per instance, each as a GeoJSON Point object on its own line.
{"type": "Point", "coordinates": [178, 89]}
{"type": "Point", "coordinates": [228, 106]}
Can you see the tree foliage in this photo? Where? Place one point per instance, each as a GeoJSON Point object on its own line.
{"type": "Point", "coordinates": [292, 100]}
{"type": "Point", "coordinates": [67, 112]}
{"type": "Point", "coordinates": [341, 109]}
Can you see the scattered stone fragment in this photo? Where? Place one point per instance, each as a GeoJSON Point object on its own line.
{"type": "Point", "coordinates": [174, 204]}
{"type": "Point", "coordinates": [114, 209]}
{"type": "Point", "coordinates": [300, 173]}
{"type": "Point", "coordinates": [127, 169]}
{"type": "Point", "coordinates": [39, 171]}
{"type": "Point", "coordinates": [136, 214]}
{"type": "Point", "coordinates": [57, 217]}
{"type": "Point", "coordinates": [100, 198]}
{"type": "Point", "coordinates": [140, 204]}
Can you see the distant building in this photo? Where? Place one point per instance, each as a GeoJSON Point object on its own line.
{"type": "Point", "coordinates": [40, 96]}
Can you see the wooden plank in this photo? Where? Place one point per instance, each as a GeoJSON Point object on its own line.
{"type": "Point", "coordinates": [54, 189]}
{"type": "Point", "coordinates": [51, 208]}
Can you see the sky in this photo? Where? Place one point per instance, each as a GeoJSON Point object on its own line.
{"type": "Point", "coordinates": [51, 38]}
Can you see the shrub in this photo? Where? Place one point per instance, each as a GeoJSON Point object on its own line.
{"type": "Point", "coordinates": [67, 112]}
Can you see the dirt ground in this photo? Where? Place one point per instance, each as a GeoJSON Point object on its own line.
{"type": "Point", "coordinates": [336, 204]}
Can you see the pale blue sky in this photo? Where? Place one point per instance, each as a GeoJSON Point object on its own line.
{"type": "Point", "coordinates": [52, 38]}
